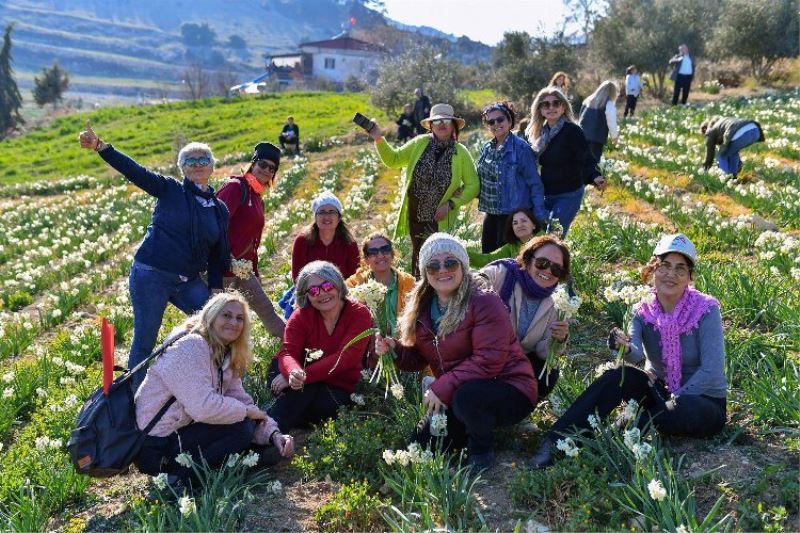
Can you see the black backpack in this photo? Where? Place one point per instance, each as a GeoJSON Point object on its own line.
{"type": "Point", "coordinates": [106, 438]}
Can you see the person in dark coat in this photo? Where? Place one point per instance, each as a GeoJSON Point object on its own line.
{"type": "Point", "coordinates": [290, 135]}
{"type": "Point", "coordinates": [405, 124]}
{"type": "Point", "coordinates": [732, 135]}
{"type": "Point", "coordinates": [422, 108]}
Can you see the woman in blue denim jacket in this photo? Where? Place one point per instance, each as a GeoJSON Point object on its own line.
{"type": "Point", "coordinates": [508, 176]}
{"type": "Point", "coordinates": [187, 235]}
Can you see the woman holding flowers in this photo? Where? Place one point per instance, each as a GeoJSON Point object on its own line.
{"type": "Point", "coordinates": [526, 285]}
{"type": "Point", "coordinates": [509, 177]}
{"type": "Point", "coordinates": [242, 196]}
{"type": "Point", "coordinates": [678, 333]}
{"type": "Point", "coordinates": [520, 227]}
{"type": "Point", "coordinates": [210, 414]}
{"type": "Point", "coordinates": [187, 235]}
{"type": "Point", "coordinates": [440, 177]}
{"type": "Point", "coordinates": [318, 363]}
{"type": "Point", "coordinates": [378, 251]}
{"type": "Point", "coordinates": [482, 378]}
{"type": "Point", "coordinates": [567, 165]}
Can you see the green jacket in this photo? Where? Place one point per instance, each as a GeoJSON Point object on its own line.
{"type": "Point", "coordinates": [507, 251]}
{"type": "Point", "coordinates": [464, 176]}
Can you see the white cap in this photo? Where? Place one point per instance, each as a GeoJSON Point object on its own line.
{"type": "Point", "coordinates": [678, 243]}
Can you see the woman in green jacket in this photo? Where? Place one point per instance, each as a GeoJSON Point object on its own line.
{"type": "Point", "coordinates": [520, 227]}
{"type": "Point", "coordinates": [440, 177]}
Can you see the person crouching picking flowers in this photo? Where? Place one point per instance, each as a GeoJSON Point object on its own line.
{"type": "Point", "coordinates": [678, 334]}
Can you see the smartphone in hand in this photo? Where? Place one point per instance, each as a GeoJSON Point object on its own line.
{"type": "Point", "coordinates": [363, 122]}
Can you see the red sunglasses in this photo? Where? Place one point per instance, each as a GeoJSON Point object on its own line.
{"type": "Point", "coordinates": [325, 286]}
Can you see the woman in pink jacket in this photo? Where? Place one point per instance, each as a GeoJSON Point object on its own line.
{"type": "Point", "coordinates": [482, 377]}
{"type": "Point", "coordinates": [212, 416]}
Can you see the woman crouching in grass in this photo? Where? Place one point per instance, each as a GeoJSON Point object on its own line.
{"type": "Point", "coordinates": [212, 416]}
{"type": "Point", "coordinates": [678, 334]}
{"type": "Point", "coordinates": [482, 378]}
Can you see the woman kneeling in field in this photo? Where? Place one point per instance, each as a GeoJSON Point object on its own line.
{"type": "Point", "coordinates": [212, 415]}
{"type": "Point", "coordinates": [482, 377]}
{"type": "Point", "coordinates": [678, 334]}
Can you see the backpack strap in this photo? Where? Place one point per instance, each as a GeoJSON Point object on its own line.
{"type": "Point", "coordinates": [161, 412]}
{"type": "Point", "coordinates": [159, 351]}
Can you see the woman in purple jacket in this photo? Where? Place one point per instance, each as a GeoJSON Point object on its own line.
{"type": "Point", "coordinates": [482, 377]}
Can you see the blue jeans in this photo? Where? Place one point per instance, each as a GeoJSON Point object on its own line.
{"type": "Point", "coordinates": [151, 290]}
{"type": "Point", "coordinates": [729, 162]}
{"type": "Point", "coordinates": [564, 207]}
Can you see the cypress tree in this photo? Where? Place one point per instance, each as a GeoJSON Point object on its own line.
{"type": "Point", "coordinates": [10, 98]}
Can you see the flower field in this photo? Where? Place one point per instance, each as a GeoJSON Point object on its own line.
{"type": "Point", "coordinates": [66, 245]}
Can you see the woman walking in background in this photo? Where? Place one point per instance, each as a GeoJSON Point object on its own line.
{"type": "Point", "coordinates": [633, 88]}
{"type": "Point", "coordinates": [598, 117]}
{"type": "Point", "coordinates": [563, 153]}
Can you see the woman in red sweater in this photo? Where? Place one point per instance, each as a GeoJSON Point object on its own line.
{"type": "Point", "coordinates": [316, 376]}
{"type": "Point", "coordinates": [242, 196]}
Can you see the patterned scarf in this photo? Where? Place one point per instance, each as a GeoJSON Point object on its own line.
{"type": "Point", "coordinates": [432, 176]}
{"type": "Point", "coordinates": [686, 316]}
{"type": "Point", "coordinates": [540, 144]}
{"type": "Point", "coordinates": [516, 275]}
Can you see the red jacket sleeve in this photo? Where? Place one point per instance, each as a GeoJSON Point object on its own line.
{"type": "Point", "coordinates": [231, 194]}
{"type": "Point", "coordinates": [409, 358]}
{"type": "Point", "coordinates": [299, 260]}
{"type": "Point", "coordinates": [358, 320]}
{"type": "Point", "coordinates": [290, 356]}
{"type": "Point", "coordinates": [490, 345]}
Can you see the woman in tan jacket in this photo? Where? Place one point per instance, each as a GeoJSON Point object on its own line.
{"type": "Point", "coordinates": [525, 285]}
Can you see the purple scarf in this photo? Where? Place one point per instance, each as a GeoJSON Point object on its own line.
{"type": "Point", "coordinates": [516, 275]}
{"type": "Point", "coordinates": [683, 319]}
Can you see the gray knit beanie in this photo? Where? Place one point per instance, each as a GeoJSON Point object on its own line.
{"type": "Point", "coordinates": [325, 198]}
{"type": "Point", "coordinates": [439, 243]}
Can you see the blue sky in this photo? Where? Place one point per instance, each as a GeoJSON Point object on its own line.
{"type": "Point", "coordinates": [480, 20]}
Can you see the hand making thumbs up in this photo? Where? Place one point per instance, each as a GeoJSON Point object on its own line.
{"type": "Point", "coordinates": [89, 138]}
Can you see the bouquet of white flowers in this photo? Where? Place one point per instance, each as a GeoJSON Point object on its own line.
{"type": "Point", "coordinates": [242, 268]}
{"type": "Point", "coordinates": [628, 295]}
{"type": "Point", "coordinates": [566, 307]}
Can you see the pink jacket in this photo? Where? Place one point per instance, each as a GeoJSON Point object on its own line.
{"type": "Point", "coordinates": [186, 371]}
{"type": "Point", "coordinates": [484, 346]}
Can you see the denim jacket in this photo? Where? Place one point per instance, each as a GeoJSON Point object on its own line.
{"type": "Point", "coordinates": [519, 182]}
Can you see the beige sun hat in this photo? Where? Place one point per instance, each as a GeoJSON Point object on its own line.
{"type": "Point", "coordinates": [439, 111]}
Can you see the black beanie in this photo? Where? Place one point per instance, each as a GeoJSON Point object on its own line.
{"type": "Point", "coordinates": [267, 151]}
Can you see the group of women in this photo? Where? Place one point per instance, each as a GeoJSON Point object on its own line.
{"type": "Point", "coordinates": [483, 335]}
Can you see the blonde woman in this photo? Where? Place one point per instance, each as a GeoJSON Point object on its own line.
{"type": "Point", "coordinates": [482, 379]}
{"type": "Point", "coordinates": [211, 415]}
{"type": "Point", "coordinates": [560, 81]}
{"type": "Point", "coordinates": [598, 117]}
{"type": "Point", "coordinates": [566, 164]}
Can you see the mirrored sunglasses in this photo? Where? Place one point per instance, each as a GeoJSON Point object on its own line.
{"type": "Point", "coordinates": [203, 161]}
{"type": "Point", "coordinates": [440, 121]}
{"type": "Point", "coordinates": [325, 286]}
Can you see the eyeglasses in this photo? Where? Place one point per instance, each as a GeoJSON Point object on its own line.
{"type": "Point", "coordinates": [450, 265]}
{"type": "Point", "coordinates": [547, 104]}
{"type": "Point", "coordinates": [203, 161]}
{"type": "Point", "coordinates": [386, 249]}
{"type": "Point", "coordinates": [440, 121]}
{"type": "Point", "coordinates": [543, 263]}
{"type": "Point", "coordinates": [493, 121]}
{"type": "Point", "coordinates": [327, 213]}
{"type": "Point", "coordinates": [266, 164]}
{"type": "Point", "coordinates": [681, 271]}
{"type": "Point", "coordinates": [325, 286]}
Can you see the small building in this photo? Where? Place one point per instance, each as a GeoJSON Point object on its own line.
{"type": "Point", "coordinates": [333, 59]}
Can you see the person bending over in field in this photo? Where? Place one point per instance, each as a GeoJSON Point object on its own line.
{"type": "Point", "coordinates": [187, 235]}
{"type": "Point", "coordinates": [212, 416]}
{"type": "Point", "coordinates": [732, 135]}
{"type": "Point", "coordinates": [677, 332]}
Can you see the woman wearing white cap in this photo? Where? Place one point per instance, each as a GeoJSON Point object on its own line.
{"type": "Point", "coordinates": [482, 378]}
{"type": "Point", "coordinates": [437, 168]}
{"type": "Point", "coordinates": [678, 334]}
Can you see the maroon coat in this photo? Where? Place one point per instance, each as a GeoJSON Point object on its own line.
{"type": "Point", "coordinates": [484, 346]}
{"type": "Point", "coordinates": [245, 222]}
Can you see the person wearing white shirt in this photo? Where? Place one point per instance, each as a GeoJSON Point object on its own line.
{"type": "Point", "coordinates": [633, 88]}
{"type": "Point", "coordinates": [682, 73]}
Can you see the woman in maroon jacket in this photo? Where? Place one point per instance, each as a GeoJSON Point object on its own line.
{"type": "Point", "coordinates": [483, 379]}
{"type": "Point", "coordinates": [315, 375]}
{"type": "Point", "coordinates": [242, 196]}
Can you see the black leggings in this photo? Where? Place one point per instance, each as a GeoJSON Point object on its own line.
{"type": "Point", "coordinates": [477, 408]}
{"type": "Point", "coordinates": [693, 415]}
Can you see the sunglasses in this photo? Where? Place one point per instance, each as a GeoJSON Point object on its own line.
{"type": "Point", "coordinates": [266, 164]}
{"type": "Point", "coordinates": [203, 161]}
{"type": "Point", "coordinates": [386, 249]}
{"type": "Point", "coordinates": [440, 121]}
{"type": "Point", "coordinates": [450, 265]}
{"type": "Point", "coordinates": [493, 121]}
{"type": "Point", "coordinates": [327, 213]}
{"type": "Point", "coordinates": [325, 286]}
{"type": "Point", "coordinates": [543, 263]}
{"type": "Point", "coordinates": [547, 104]}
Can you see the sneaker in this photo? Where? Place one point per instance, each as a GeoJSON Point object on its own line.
{"type": "Point", "coordinates": [543, 456]}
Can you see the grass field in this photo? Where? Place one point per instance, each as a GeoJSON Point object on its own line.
{"type": "Point", "coordinates": [66, 247]}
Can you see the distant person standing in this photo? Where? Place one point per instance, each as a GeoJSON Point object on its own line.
{"type": "Point", "coordinates": [560, 81]}
{"type": "Point", "coordinates": [290, 134]}
{"type": "Point", "coordinates": [633, 88]}
{"type": "Point", "coordinates": [732, 135]}
{"type": "Point", "coordinates": [405, 124]}
{"type": "Point", "coordinates": [598, 117]}
{"type": "Point", "coordinates": [422, 108]}
{"type": "Point", "coordinates": [682, 73]}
